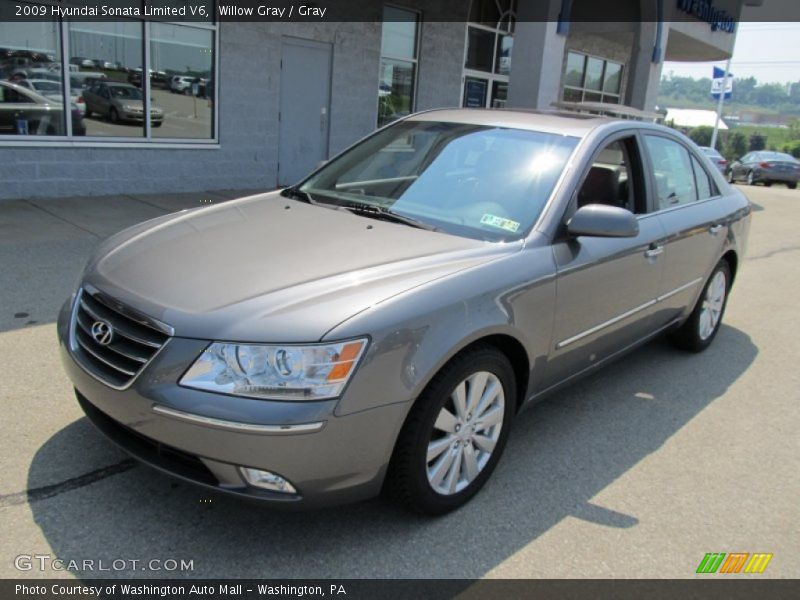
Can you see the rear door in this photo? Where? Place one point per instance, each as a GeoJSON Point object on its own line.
{"type": "Point", "coordinates": [693, 216]}
{"type": "Point", "coordinates": [606, 287]}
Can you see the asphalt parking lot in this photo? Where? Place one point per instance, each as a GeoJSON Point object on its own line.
{"type": "Point", "coordinates": [635, 472]}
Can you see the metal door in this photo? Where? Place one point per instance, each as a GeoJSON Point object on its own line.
{"type": "Point", "coordinates": [304, 108]}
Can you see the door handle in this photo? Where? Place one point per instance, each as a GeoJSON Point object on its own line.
{"type": "Point", "coordinates": [715, 229]}
{"type": "Point", "coordinates": [653, 251]}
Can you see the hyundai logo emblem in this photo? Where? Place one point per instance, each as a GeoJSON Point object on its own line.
{"type": "Point", "coordinates": [102, 332]}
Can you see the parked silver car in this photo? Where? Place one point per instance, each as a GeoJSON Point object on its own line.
{"type": "Point", "coordinates": [379, 325]}
{"type": "Point", "coordinates": [717, 159]}
{"type": "Point", "coordinates": [119, 102]}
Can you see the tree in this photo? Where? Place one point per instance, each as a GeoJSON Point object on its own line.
{"type": "Point", "coordinates": [736, 146]}
{"type": "Point", "coordinates": [757, 142]}
{"type": "Point", "coordinates": [701, 135]}
{"type": "Point", "coordinates": [794, 129]}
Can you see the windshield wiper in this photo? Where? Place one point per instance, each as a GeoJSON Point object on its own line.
{"type": "Point", "coordinates": [385, 214]}
{"type": "Point", "coordinates": [297, 193]}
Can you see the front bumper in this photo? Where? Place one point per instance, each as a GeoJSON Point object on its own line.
{"type": "Point", "coordinates": [342, 460]}
{"type": "Point", "coordinates": [139, 116]}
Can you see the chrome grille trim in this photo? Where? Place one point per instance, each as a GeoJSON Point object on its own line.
{"type": "Point", "coordinates": [137, 339]}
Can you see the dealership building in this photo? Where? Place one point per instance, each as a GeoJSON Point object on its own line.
{"type": "Point", "coordinates": [256, 104]}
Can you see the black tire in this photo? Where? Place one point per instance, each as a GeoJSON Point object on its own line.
{"type": "Point", "coordinates": [767, 184]}
{"type": "Point", "coordinates": [407, 478]}
{"type": "Point", "coordinates": [750, 178]}
{"type": "Point", "coordinates": [156, 124]}
{"type": "Point", "coordinates": [730, 177]}
{"type": "Point", "coordinates": [792, 186]}
{"type": "Point", "coordinates": [688, 336]}
{"type": "Point", "coordinates": [113, 115]}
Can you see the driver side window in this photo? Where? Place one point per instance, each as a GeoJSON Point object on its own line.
{"type": "Point", "coordinates": [614, 178]}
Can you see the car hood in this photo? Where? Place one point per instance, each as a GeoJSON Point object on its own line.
{"type": "Point", "coordinates": [271, 269]}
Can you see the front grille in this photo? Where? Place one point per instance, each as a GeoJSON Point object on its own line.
{"type": "Point", "coordinates": [135, 339]}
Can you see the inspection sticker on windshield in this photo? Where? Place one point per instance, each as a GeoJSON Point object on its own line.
{"type": "Point", "coordinates": [500, 222]}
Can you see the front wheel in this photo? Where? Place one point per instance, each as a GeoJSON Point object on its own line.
{"type": "Point", "coordinates": [730, 176]}
{"type": "Point", "coordinates": [113, 115]}
{"type": "Point", "coordinates": [700, 329]}
{"type": "Point", "coordinates": [454, 434]}
{"type": "Point", "coordinates": [750, 179]}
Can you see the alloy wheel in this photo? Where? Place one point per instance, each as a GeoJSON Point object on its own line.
{"type": "Point", "coordinates": [713, 303]}
{"type": "Point", "coordinates": [465, 433]}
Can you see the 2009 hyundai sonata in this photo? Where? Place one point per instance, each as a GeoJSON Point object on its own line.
{"type": "Point", "coordinates": [379, 325]}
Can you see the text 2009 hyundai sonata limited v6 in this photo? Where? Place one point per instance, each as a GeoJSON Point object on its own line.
{"type": "Point", "coordinates": [380, 325]}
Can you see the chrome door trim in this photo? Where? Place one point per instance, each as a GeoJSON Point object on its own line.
{"type": "Point", "coordinates": [237, 426]}
{"type": "Point", "coordinates": [626, 314]}
{"type": "Point", "coordinates": [678, 290]}
{"type": "Point", "coordinates": [608, 323]}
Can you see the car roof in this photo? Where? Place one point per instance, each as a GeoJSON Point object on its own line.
{"type": "Point", "coordinates": [559, 122]}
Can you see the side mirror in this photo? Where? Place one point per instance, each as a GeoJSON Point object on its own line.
{"type": "Point", "coordinates": [601, 220]}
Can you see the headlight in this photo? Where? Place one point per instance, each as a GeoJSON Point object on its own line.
{"type": "Point", "coordinates": [312, 372]}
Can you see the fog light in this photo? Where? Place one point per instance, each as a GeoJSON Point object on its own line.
{"type": "Point", "coordinates": [267, 481]}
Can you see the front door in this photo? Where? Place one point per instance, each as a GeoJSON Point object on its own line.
{"type": "Point", "coordinates": [304, 108]}
{"type": "Point", "coordinates": [606, 287]}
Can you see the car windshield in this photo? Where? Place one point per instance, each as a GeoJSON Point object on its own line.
{"type": "Point", "coordinates": [130, 93]}
{"type": "Point", "coordinates": [483, 182]}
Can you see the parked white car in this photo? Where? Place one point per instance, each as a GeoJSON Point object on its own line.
{"type": "Point", "coordinates": [52, 90]}
{"type": "Point", "coordinates": [180, 84]}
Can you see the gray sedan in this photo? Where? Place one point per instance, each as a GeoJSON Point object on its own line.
{"type": "Point", "coordinates": [379, 325]}
{"type": "Point", "coordinates": [766, 167]}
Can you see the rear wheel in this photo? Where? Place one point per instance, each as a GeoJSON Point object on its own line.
{"type": "Point", "coordinates": [454, 434]}
{"type": "Point", "coordinates": [700, 329]}
{"type": "Point", "coordinates": [792, 186]}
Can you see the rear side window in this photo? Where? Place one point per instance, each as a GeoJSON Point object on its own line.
{"type": "Point", "coordinates": [705, 187]}
{"type": "Point", "coordinates": [673, 173]}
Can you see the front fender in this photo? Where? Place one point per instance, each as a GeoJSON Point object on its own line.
{"type": "Point", "coordinates": [416, 333]}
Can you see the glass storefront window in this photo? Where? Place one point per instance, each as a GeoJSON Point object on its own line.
{"type": "Point", "coordinates": [502, 63]}
{"type": "Point", "coordinates": [613, 78]}
{"type": "Point", "coordinates": [594, 74]}
{"type": "Point", "coordinates": [399, 39]}
{"type": "Point", "coordinates": [488, 53]}
{"type": "Point", "coordinates": [181, 81]}
{"type": "Point", "coordinates": [576, 64]}
{"type": "Point", "coordinates": [31, 81]}
{"type": "Point", "coordinates": [397, 76]}
{"type": "Point", "coordinates": [591, 79]}
{"type": "Point", "coordinates": [105, 72]}
{"type": "Point", "coordinates": [499, 94]}
{"type": "Point", "coordinates": [480, 49]}
{"type": "Point", "coordinates": [105, 61]}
